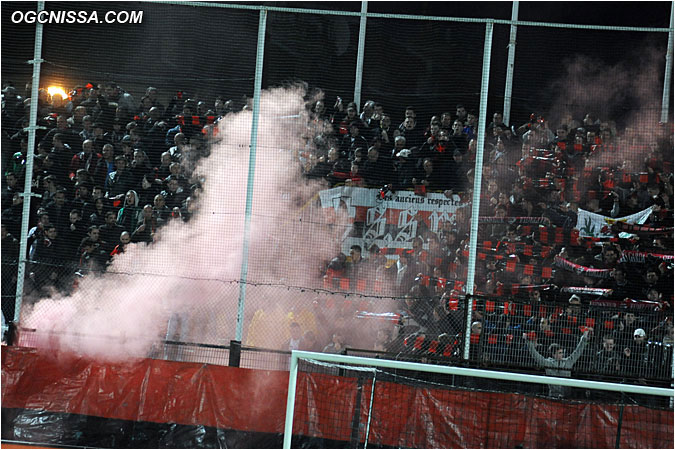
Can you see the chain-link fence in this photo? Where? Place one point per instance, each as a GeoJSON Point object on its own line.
{"type": "Point", "coordinates": [179, 205]}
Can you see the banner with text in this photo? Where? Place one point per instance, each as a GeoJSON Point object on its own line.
{"type": "Point", "coordinates": [389, 220]}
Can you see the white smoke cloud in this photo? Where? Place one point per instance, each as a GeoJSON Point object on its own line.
{"type": "Point", "coordinates": [192, 268]}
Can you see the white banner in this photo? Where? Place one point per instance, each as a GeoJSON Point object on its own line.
{"type": "Point", "coordinates": [356, 196]}
{"type": "Point", "coordinates": [389, 222]}
{"type": "Point", "coordinates": [596, 225]}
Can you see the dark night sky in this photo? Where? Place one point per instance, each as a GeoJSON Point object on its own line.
{"type": "Point", "coordinates": [407, 62]}
{"type": "Point", "coordinates": [629, 14]}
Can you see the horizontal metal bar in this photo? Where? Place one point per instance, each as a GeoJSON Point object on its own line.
{"type": "Point", "coordinates": [415, 17]}
{"type": "Point", "coordinates": [479, 373]}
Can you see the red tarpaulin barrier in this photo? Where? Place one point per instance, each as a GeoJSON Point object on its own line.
{"type": "Point", "coordinates": [255, 400]}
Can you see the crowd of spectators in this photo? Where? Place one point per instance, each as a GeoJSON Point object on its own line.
{"type": "Point", "coordinates": [111, 169]}
{"type": "Point", "coordinates": [108, 170]}
{"type": "Point", "coordinates": [548, 292]}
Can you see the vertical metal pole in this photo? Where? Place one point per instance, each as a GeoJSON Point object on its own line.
{"type": "Point", "coordinates": [356, 417]}
{"type": "Point", "coordinates": [235, 354]}
{"type": "Point", "coordinates": [672, 375]}
{"type": "Point", "coordinates": [251, 171]}
{"type": "Point", "coordinates": [290, 401]}
{"type": "Point", "coordinates": [508, 90]}
{"type": "Point", "coordinates": [617, 444]}
{"type": "Point", "coordinates": [668, 78]}
{"type": "Point", "coordinates": [28, 185]}
{"type": "Point", "coordinates": [360, 54]}
{"type": "Point", "coordinates": [370, 409]}
{"type": "Point", "coordinates": [478, 178]}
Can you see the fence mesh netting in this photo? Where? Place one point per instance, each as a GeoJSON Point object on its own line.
{"type": "Point", "coordinates": [350, 227]}
{"type": "Point", "coordinates": [366, 407]}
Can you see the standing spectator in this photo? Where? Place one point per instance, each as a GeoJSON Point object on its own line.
{"type": "Point", "coordinates": [110, 232]}
{"type": "Point", "coordinates": [354, 263]}
{"type": "Point", "coordinates": [608, 359]}
{"type": "Point", "coordinates": [163, 170]}
{"type": "Point", "coordinates": [87, 159]}
{"type": "Point", "coordinates": [295, 341]}
{"type": "Point", "coordinates": [148, 189]}
{"type": "Point", "coordinates": [125, 239]}
{"type": "Point", "coordinates": [36, 233]}
{"type": "Point", "coordinates": [125, 101]}
{"type": "Point", "coordinates": [429, 177]}
{"type": "Point", "coordinates": [60, 158]}
{"type": "Point", "coordinates": [10, 264]}
{"type": "Point", "coordinates": [377, 168]}
{"type": "Point", "coordinates": [145, 226]}
{"type": "Point", "coordinates": [58, 210]}
{"type": "Point", "coordinates": [404, 170]}
{"type": "Point", "coordinates": [161, 211]}
{"type": "Point", "coordinates": [309, 342]}
{"type": "Point", "coordinates": [87, 132]}
{"type": "Point", "coordinates": [470, 125]}
{"type": "Point", "coordinates": [353, 140]}
{"type": "Point", "coordinates": [105, 165]}
{"type": "Point", "coordinates": [414, 136]}
{"type": "Point", "coordinates": [128, 215]}
{"type": "Point", "coordinates": [497, 121]}
{"type": "Point", "coordinates": [82, 196]}
{"type": "Point", "coordinates": [176, 151]}
{"type": "Point", "coordinates": [140, 166]}
{"type": "Point", "coordinates": [47, 265]}
{"type": "Point", "coordinates": [386, 131]}
{"type": "Point", "coordinates": [76, 121]}
{"type": "Point", "coordinates": [97, 214]}
{"type": "Point", "coordinates": [637, 359]}
{"type": "Point", "coordinates": [120, 181]}
{"type": "Point", "coordinates": [73, 235]}
{"type": "Point", "coordinates": [62, 127]}
{"type": "Point", "coordinates": [115, 136]}
{"type": "Point", "coordinates": [458, 140]}
{"type": "Point", "coordinates": [174, 193]}
{"type": "Point", "coordinates": [92, 258]}
{"type": "Point", "coordinates": [556, 364]}
{"type": "Point", "coordinates": [337, 344]}
{"type": "Point", "coordinates": [10, 187]}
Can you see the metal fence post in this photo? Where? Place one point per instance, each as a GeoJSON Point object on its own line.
{"type": "Point", "coordinates": [251, 171]}
{"type": "Point", "coordinates": [508, 89]}
{"type": "Point", "coordinates": [477, 180]}
{"type": "Point", "coordinates": [235, 354]}
{"type": "Point", "coordinates": [30, 153]}
{"type": "Point", "coordinates": [668, 77]}
{"type": "Point", "coordinates": [359, 57]}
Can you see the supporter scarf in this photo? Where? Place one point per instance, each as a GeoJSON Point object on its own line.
{"type": "Point", "coordinates": [443, 283]}
{"type": "Point", "coordinates": [517, 247]}
{"type": "Point", "coordinates": [613, 177]}
{"type": "Point", "coordinates": [514, 220]}
{"type": "Point", "coordinates": [641, 257]}
{"type": "Point", "coordinates": [514, 289]}
{"type": "Point", "coordinates": [640, 229]}
{"type": "Point", "coordinates": [557, 235]}
{"type": "Point", "coordinates": [196, 120]}
{"type": "Point", "coordinates": [384, 317]}
{"type": "Point", "coordinates": [586, 290]}
{"type": "Point", "coordinates": [589, 242]}
{"type": "Point", "coordinates": [630, 303]}
{"type": "Point", "coordinates": [581, 270]}
{"type": "Point", "coordinates": [513, 266]}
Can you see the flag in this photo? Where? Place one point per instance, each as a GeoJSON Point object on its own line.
{"type": "Point", "coordinates": [596, 225]}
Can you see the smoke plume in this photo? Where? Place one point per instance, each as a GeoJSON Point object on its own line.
{"type": "Point", "coordinates": [192, 270]}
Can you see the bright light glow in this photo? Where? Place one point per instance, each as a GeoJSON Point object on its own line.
{"type": "Point", "coordinates": [54, 90]}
